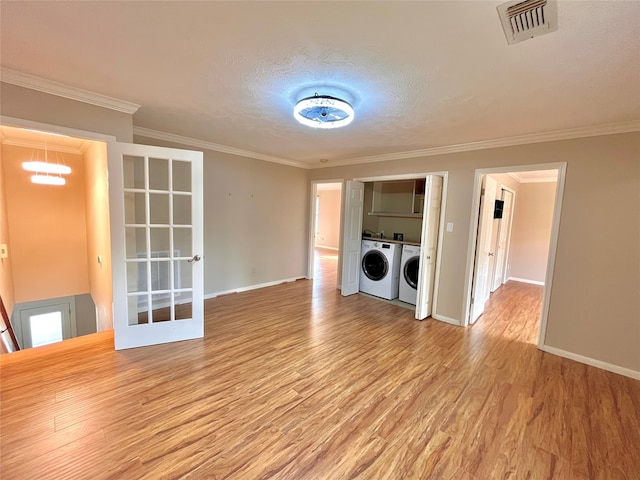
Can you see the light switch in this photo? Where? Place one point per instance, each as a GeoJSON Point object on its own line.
{"type": "Point", "coordinates": [450, 227]}
{"type": "Point", "coordinates": [3, 250]}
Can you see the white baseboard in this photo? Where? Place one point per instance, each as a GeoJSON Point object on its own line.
{"type": "Point", "coordinates": [207, 296]}
{"type": "Point", "coordinates": [327, 248]}
{"type": "Point", "coordinates": [445, 319]}
{"type": "Point", "coordinates": [627, 372]}
{"type": "Point", "coordinates": [526, 280]}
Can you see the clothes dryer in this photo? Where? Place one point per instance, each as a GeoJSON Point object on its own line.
{"type": "Point", "coordinates": [409, 267]}
{"type": "Point", "coordinates": [380, 268]}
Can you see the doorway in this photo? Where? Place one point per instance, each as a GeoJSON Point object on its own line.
{"type": "Point", "coordinates": [57, 233]}
{"type": "Point", "coordinates": [325, 234]}
{"type": "Point", "coordinates": [432, 209]}
{"type": "Point", "coordinates": [520, 245]}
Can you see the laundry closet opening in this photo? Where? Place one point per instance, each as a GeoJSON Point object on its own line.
{"type": "Point", "coordinates": [392, 236]}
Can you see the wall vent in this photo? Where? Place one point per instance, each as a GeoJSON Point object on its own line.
{"type": "Point", "coordinates": [524, 20]}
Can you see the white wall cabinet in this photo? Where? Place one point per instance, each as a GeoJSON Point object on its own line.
{"type": "Point", "coordinates": [401, 198]}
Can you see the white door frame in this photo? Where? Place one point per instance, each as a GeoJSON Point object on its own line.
{"type": "Point", "coordinates": [66, 305]}
{"type": "Point", "coordinates": [441, 227]}
{"type": "Point", "coordinates": [561, 167]}
{"type": "Point", "coordinates": [312, 223]}
{"type": "Point", "coordinates": [56, 129]}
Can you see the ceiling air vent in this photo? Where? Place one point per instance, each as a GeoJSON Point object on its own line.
{"type": "Point", "coordinates": [528, 19]}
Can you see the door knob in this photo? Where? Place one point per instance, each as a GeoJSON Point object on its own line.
{"type": "Point", "coordinates": [196, 258]}
{"type": "Point", "coordinates": [491, 254]}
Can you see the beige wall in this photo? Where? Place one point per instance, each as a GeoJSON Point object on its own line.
{"type": "Point", "coordinates": [256, 221]}
{"type": "Point", "coordinates": [47, 229]}
{"type": "Point", "coordinates": [594, 308]}
{"type": "Point", "coordinates": [98, 232]}
{"type": "Point", "coordinates": [329, 218]}
{"type": "Point", "coordinates": [26, 104]}
{"type": "Point", "coordinates": [531, 231]}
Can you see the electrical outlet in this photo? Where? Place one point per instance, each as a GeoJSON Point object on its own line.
{"type": "Point", "coordinates": [3, 250]}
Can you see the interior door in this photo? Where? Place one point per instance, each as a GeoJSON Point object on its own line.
{"type": "Point", "coordinates": [429, 244]}
{"type": "Point", "coordinates": [480, 289]}
{"type": "Point", "coordinates": [503, 241]}
{"type": "Point", "coordinates": [156, 198]}
{"type": "Point", "coordinates": [354, 208]}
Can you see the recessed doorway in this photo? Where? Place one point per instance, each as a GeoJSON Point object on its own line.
{"type": "Point", "coordinates": [514, 234]}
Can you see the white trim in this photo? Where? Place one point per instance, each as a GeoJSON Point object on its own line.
{"type": "Point", "coordinates": [582, 132]}
{"type": "Point", "coordinates": [627, 372]}
{"type": "Point", "coordinates": [49, 128]}
{"type": "Point", "coordinates": [39, 84]}
{"type": "Point", "coordinates": [50, 147]}
{"type": "Point", "coordinates": [525, 280]}
{"type": "Point", "coordinates": [257, 286]}
{"type": "Point", "coordinates": [216, 147]}
{"type": "Point", "coordinates": [445, 319]}
{"type": "Point", "coordinates": [328, 248]}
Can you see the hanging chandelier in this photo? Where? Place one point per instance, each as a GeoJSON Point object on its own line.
{"type": "Point", "coordinates": [323, 111]}
{"type": "Point", "coordinates": [46, 173]}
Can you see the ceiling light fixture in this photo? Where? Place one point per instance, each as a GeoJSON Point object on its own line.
{"type": "Point", "coordinates": [45, 167]}
{"type": "Point", "coordinates": [323, 111]}
{"type": "Point", "coordinates": [47, 180]}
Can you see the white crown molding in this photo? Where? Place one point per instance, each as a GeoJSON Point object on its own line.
{"type": "Point", "coordinates": [80, 149]}
{"type": "Point", "coordinates": [569, 134]}
{"type": "Point", "coordinates": [194, 142]}
{"type": "Point", "coordinates": [55, 88]}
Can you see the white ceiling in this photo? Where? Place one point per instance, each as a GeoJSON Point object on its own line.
{"type": "Point", "coordinates": [421, 75]}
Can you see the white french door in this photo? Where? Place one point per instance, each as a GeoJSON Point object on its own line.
{"type": "Point", "coordinates": [156, 209]}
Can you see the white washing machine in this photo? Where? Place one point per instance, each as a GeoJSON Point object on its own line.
{"type": "Point", "coordinates": [380, 268]}
{"type": "Point", "coordinates": [409, 266]}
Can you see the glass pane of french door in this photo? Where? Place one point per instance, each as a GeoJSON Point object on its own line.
{"type": "Point", "coordinates": [157, 241]}
{"type": "Point", "coordinates": [159, 238]}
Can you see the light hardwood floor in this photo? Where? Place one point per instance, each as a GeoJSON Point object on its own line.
{"type": "Point", "coordinates": [297, 382]}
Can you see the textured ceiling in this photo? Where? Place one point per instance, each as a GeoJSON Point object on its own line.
{"type": "Point", "coordinates": [419, 74]}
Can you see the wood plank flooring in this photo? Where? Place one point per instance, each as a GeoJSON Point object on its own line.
{"type": "Point", "coordinates": [297, 382]}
